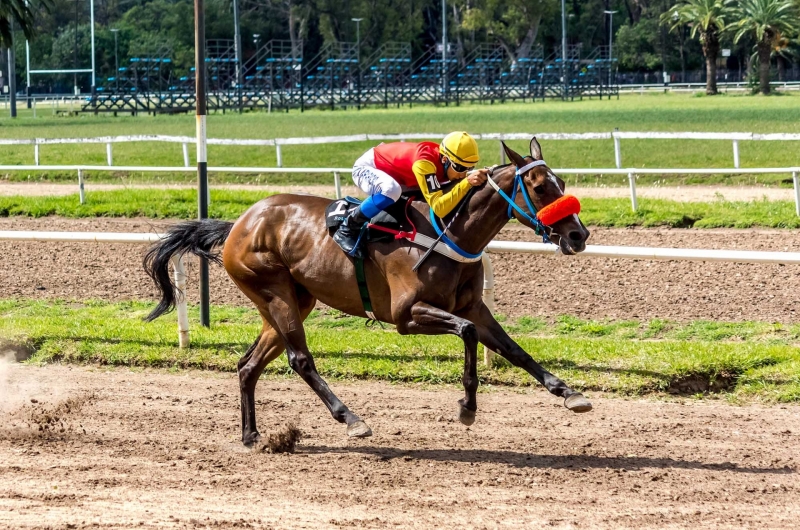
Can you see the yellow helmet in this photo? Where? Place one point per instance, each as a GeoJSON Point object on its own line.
{"type": "Point", "coordinates": [460, 148]}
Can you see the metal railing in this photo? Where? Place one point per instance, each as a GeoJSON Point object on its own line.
{"type": "Point", "coordinates": [337, 181]}
{"type": "Point", "coordinates": [736, 256]}
{"type": "Point", "coordinates": [278, 143]}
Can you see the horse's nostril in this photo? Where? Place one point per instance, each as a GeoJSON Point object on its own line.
{"type": "Point", "coordinates": [576, 236]}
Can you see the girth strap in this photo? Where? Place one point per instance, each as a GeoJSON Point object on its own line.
{"type": "Point", "coordinates": [361, 278]}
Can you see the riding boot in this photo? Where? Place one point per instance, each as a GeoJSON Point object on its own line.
{"type": "Point", "coordinates": [347, 234]}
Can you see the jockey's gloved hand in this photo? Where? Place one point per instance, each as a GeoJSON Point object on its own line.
{"type": "Point", "coordinates": [477, 177]}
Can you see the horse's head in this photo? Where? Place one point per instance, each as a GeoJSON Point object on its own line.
{"type": "Point", "coordinates": [544, 189]}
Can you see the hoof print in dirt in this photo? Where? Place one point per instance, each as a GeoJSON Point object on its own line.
{"type": "Point", "coordinates": [577, 403]}
{"type": "Point", "coordinates": [283, 441]}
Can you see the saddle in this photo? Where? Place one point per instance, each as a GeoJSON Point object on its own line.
{"type": "Point", "coordinates": [394, 219]}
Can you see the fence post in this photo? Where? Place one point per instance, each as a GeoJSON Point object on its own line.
{"type": "Point", "coordinates": [180, 296]}
{"type": "Point", "coordinates": [796, 193]}
{"type": "Point", "coordinates": [736, 154]}
{"type": "Point", "coordinates": [35, 152]}
{"type": "Point", "coordinates": [488, 298]}
{"type": "Point", "coordinates": [337, 181]}
{"type": "Point", "coordinates": [632, 181]}
{"type": "Point", "coordinates": [34, 107]}
{"type": "Point", "coordinates": [278, 154]}
{"type": "Point", "coordinates": [185, 154]}
{"type": "Point", "coordinates": [81, 192]}
{"type": "Point", "coordinates": [617, 153]}
{"type": "Point", "coordinates": [109, 155]}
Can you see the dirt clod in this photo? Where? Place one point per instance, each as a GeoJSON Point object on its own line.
{"type": "Point", "coordinates": [283, 441]}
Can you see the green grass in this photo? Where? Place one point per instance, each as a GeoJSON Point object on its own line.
{"type": "Point", "coordinates": [226, 204]}
{"type": "Point", "coordinates": [747, 360]}
{"type": "Point", "coordinates": [664, 112]}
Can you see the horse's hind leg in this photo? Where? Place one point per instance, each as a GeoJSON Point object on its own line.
{"type": "Point", "coordinates": [284, 315]}
{"type": "Point", "coordinates": [267, 347]}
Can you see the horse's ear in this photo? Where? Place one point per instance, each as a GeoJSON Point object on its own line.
{"type": "Point", "coordinates": [536, 149]}
{"type": "Point", "coordinates": [513, 155]}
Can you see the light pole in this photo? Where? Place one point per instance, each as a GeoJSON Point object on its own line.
{"type": "Point", "coordinates": [610, 41]}
{"type": "Point", "coordinates": [358, 37]}
{"type": "Point", "coordinates": [237, 48]}
{"type": "Point", "coordinates": [358, 59]}
{"type": "Point", "coordinates": [444, 49]}
{"type": "Point", "coordinates": [564, 47]}
{"type": "Point", "coordinates": [116, 59]}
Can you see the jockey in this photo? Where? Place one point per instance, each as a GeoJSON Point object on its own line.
{"type": "Point", "coordinates": [384, 172]}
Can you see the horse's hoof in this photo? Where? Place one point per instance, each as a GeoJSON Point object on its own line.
{"type": "Point", "coordinates": [577, 403]}
{"type": "Point", "coordinates": [466, 416]}
{"type": "Point", "coordinates": [250, 440]}
{"type": "Point", "coordinates": [359, 429]}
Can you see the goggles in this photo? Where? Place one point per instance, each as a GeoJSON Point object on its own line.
{"type": "Point", "coordinates": [458, 168]}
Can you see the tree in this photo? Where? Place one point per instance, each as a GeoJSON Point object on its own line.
{"type": "Point", "coordinates": [767, 21]}
{"type": "Point", "coordinates": [707, 19]}
{"type": "Point", "coordinates": [513, 23]}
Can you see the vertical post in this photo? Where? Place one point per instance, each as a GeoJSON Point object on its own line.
{"type": "Point", "coordinates": [736, 154]}
{"type": "Point", "coordinates": [796, 193]}
{"type": "Point", "coordinates": [337, 181]}
{"type": "Point", "coordinates": [180, 298]}
{"type": "Point", "coordinates": [202, 162]}
{"type": "Point", "coordinates": [617, 153]}
{"type": "Point", "coordinates": [91, 24]}
{"type": "Point", "coordinates": [278, 154]}
{"type": "Point", "coordinates": [33, 104]}
{"type": "Point", "coordinates": [632, 181]}
{"type": "Point", "coordinates": [185, 154]}
{"type": "Point", "coordinates": [12, 79]}
{"type": "Point", "coordinates": [109, 154]}
{"type": "Point", "coordinates": [488, 298]}
{"type": "Point", "coordinates": [81, 191]}
{"type": "Point", "coordinates": [35, 152]}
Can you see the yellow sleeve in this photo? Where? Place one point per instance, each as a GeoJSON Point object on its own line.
{"type": "Point", "coordinates": [442, 203]}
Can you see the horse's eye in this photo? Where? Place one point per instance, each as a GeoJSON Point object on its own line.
{"type": "Point", "coordinates": [538, 190]}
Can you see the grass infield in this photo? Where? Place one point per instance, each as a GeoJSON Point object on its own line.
{"type": "Point", "coordinates": [228, 204]}
{"type": "Point", "coordinates": [741, 360]}
{"type": "Point", "coordinates": [650, 112]}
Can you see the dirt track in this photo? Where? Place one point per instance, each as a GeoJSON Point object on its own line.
{"type": "Point", "coordinates": [151, 449]}
{"type": "Point", "coordinates": [526, 284]}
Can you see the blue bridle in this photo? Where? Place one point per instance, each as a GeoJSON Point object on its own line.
{"type": "Point", "coordinates": [538, 227]}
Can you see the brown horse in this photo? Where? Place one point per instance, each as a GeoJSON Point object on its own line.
{"type": "Point", "coordinates": [280, 255]}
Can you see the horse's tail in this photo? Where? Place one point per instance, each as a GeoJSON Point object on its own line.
{"type": "Point", "coordinates": [198, 237]}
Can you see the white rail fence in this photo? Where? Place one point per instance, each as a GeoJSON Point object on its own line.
{"type": "Point", "coordinates": [734, 138]}
{"type": "Point", "coordinates": [647, 253]}
{"type": "Point", "coordinates": [337, 172]}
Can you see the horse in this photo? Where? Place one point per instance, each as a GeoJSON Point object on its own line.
{"type": "Point", "coordinates": [280, 254]}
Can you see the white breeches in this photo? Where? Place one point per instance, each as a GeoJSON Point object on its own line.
{"type": "Point", "coordinates": [372, 180]}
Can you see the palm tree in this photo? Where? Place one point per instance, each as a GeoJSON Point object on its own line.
{"type": "Point", "coordinates": [707, 20]}
{"type": "Point", "coordinates": [767, 21]}
{"type": "Point", "coordinates": [20, 13]}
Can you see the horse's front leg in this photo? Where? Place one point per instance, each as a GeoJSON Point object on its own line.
{"type": "Point", "coordinates": [428, 320]}
{"type": "Point", "coordinates": [493, 336]}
